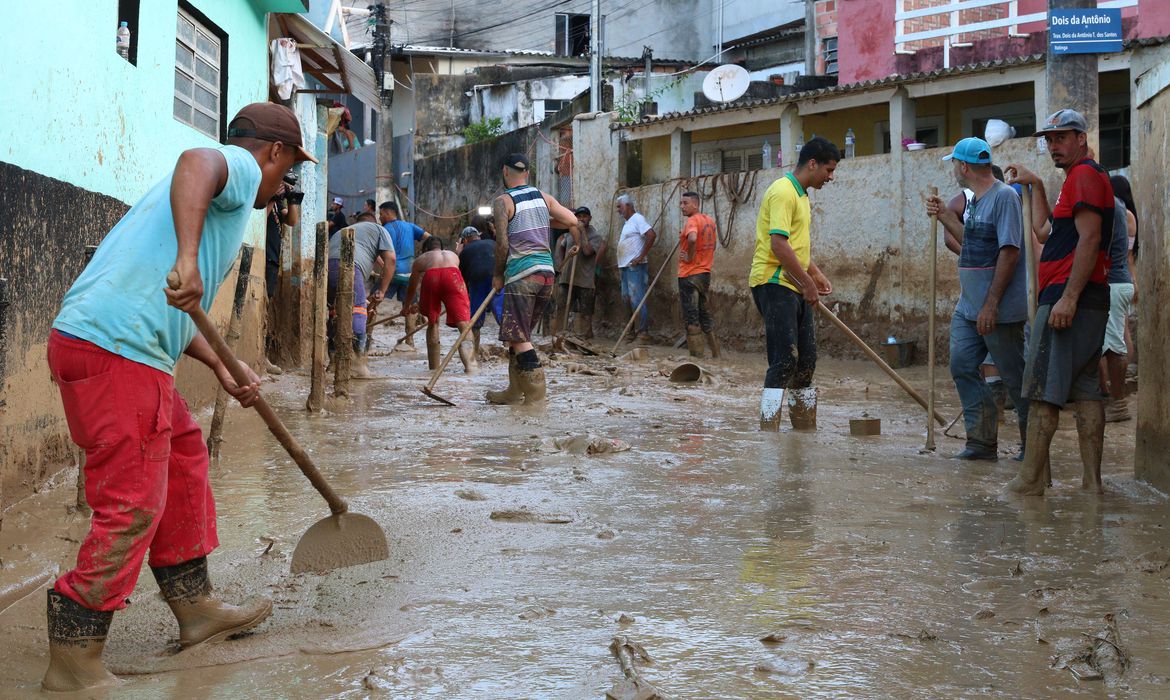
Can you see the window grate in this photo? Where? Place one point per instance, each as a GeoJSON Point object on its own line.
{"type": "Point", "coordinates": [829, 52]}
{"type": "Point", "coordinates": [198, 78]}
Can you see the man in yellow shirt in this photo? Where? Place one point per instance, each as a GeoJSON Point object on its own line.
{"type": "Point", "coordinates": [786, 287]}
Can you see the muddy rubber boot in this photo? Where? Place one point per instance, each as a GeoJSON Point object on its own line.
{"type": "Point", "coordinates": [77, 636]}
{"type": "Point", "coordinates": [713, 343]}
{"type": "Point", "coordinates": [475, 340]}
{"type": "Point", "coordinates": [467, 356]}
{"type": "Point", "coordinates": [433, 356]}
{"type": "Point", "coordinates": [1091, 436]}
{"type": "Point", "coordinates": [585, 326]}
{"type": "Point", "coordinates": [360, 367]}
{"type": "Point", "coordinates": [771, 404]}
{"type": "Point", "coordinates": [201, 617]}
{"type": "Point", "coordinates": [532, 383]}
{"type": "Point", "coordinates": [695, 341]}
{"type": "Point", "coordinates": [802, 408]}
{"type": "Point", "coordinates": [999, 393]}
{"type": "Point", "coordinates": [512, 395]}
{"type": "Point", "coordinates": [1118, 410]}
{"type": "Point", "coordinates": [1035, 469]}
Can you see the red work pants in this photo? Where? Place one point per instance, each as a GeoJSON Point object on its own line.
{"type": "Point", "coordinates": [145, 471]}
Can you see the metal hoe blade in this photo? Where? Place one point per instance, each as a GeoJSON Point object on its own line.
{"type": "Point", "coordinates": [338, 541]}
{"type": "Point", "coordinates": [436, 397]}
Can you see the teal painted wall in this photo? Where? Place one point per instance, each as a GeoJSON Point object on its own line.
{"type": "Point", "coordinates": [79, 113]}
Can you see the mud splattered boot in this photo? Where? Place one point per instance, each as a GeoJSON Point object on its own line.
{"type": "Point", "coordinates": [771, 403]}
{"type": "Point", "coordinates": [432, 356]}
{"type": "Point", "coordinates": [467, 356]}
{"type": "Point", "coordinates": [511, 395]}
{"type": "Point", "coordinates": [475, 340]}
{"type": "Point", "coordinates": [201, 617]}
{"type": "Point", "coordinates": [530, 377]}
{"type": "Point", "coordinates": [802, 408]}
{"type": "Point", "coordinates": [1117, 410]}
{"type": "Point", "coordinates": [695, 341]}
{"type": "Point", "coordinates": [1035, 470]}
{"type": "Point", "coordinates": [713, 343]}
{"type": "Point", "coordinates": [77, 636]}
{"type": "Point", "coordinates": [1091, 437]}
{"type": "Point", "coordinates": [584, 324]}
{"type": "Point", "coordinates": [360, 368]}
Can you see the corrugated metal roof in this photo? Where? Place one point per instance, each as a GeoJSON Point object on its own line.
{"type": "Point", "coordinates": [998, 64]}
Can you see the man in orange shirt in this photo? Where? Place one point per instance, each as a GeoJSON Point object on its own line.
{"type": "Point", "coordinates": [696, 251]}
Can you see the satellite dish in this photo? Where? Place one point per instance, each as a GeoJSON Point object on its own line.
{"type": "Point", "coordinates": [726, 83]}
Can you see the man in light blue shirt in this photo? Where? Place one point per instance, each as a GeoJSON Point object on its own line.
{"type": "Point", "coordinates": [112, 354]}
{"type": "Point", "coordinates": [404, 235]}
{"type": "Point", "coordinates": [993, 301]}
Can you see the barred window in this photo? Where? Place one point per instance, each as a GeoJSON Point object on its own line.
{"type": "Point", "coordinates": [199, 80]}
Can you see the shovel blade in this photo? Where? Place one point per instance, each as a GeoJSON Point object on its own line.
{"type": "Point", "coordinates": [338, 541]}
{"type": "Point", "coordinates": [436, 397]}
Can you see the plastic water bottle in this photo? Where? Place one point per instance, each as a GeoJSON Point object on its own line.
{"type": "Point", "coordinates": [124, 40]}
{"type": "Point", "coordinates": [767, 153]}
{"type": "Point", "coordinates": [891, 340]}
{"type": "Point", "coordinates": [849, 140]}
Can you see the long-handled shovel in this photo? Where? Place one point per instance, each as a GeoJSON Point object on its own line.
{"type": "Point", "coordinates": [645, 297]}
{"type": "Point", "coordinates": [454, 349]}
{"type": "Point", "coordinates": [343, 538]}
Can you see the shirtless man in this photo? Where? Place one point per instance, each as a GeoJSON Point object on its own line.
{"type": "Point", "coordinates": [437, 271]}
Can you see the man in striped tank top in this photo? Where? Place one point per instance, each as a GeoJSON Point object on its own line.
{"type": "Point", "coordinates": [524, 272]}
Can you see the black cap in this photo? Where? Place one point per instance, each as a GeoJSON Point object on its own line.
{"type": "Point", "coordinates": [516, 161]}
{"type": "Point", "coordinates": [583, 211]}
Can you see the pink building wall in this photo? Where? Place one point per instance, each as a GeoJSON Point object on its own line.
{"type": "Point", "coordinates": [865, 31]}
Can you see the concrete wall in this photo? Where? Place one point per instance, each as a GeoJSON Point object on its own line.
{"type": "Point", "coordinates": [870, 236]}
{"type": "Point", "coordinates": [100, 132]}
{"type": "Point", "coordinates": [1151, 133]}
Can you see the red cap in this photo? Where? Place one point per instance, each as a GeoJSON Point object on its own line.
{"type": "Point", "coordinates": [269, 121]}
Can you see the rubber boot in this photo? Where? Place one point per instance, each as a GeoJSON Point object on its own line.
{"type": "Point", "coordinates": [713, 343]}
{"type": "Point", "coordinates": [771, 404]}
{"type": "Point", "coordinates": [513, 394]}
{"type": "Point", "coordinates": [467, 356]}
{"type": "Point", "coordinates": [411, 324]}
{"type": "Point", "coordinates": [475, 340]}
{"type": "Point", "coordinates": [1091, 436]}
{"type": "Point", "coordinates": [433, 356]}
{"type": "Point", "coordinates": [532, 383]}
{"type": "Point", "coordinates": [695, 341]}
{"type": "Point", "coordinates": [360, 367]}
{"type": "Point", "coordinates": [77, 636]}
{"type": "Point", "coordinates": [586, 326]}
{"type": "Point", "coordinates": [201, 617]}
{"type": "Point", "coordinates": [802, 408]}
{"type": "Point", "coordinates": [1035, 469]}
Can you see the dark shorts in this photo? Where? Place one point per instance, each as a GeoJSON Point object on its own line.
{"type": "Point", "coordinates": [1062, 365]}
{"type": "Point", "coordinates": [524, 303]}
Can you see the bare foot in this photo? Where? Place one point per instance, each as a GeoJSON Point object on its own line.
{"type": "Point", "coordinates": [1023, 488]}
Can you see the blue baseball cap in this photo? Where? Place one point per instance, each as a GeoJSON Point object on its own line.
{"type": "Point", "coordinates": [971, 150]}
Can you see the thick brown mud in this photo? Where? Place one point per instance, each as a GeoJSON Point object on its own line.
{"type": "Point", "coordinates": [744, 564]}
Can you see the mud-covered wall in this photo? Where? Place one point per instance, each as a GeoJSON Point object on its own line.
{"type": "Point", "coordinates": [46, 225]}
{"type": "Point", "coordinates": [450, 184]}
{"type": "Point", "coordinates": [870, 236]}
{"type": "Point", "coordinates": [1152, 134]}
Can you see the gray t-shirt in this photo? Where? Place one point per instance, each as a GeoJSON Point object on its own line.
{"type": "Point", "coordinates": [369, 239]}
{"type": "Point", "coordinates": [586, 273]}
{"type": "Point", "coordinates": [1119, 246]}
{"type": "Point", "coordinates": [993, 221]}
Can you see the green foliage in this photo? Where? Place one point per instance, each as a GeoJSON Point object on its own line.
{"type": "Point", "coordinates": [484, 130]}
{"type": "Point", "coordinates": [630, 110]}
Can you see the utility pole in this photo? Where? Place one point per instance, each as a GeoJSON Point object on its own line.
{"type": "Point", "coordinates": [379, 27]}
{"type": "Point", "coordinates": [648, 58]}
{"type": "Point", "coordinates": [810, 37]}
{"type": "Point", "coordinates": [1072, 79]}
{"type": "Point", "coordinates": [595, 58]}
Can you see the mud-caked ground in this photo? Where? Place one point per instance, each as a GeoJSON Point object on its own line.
{"type": "Point", "coordinates": [744, 564]}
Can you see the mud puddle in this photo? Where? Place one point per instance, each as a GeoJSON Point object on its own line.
{"type": "Point", "coordinates": [872, 570]}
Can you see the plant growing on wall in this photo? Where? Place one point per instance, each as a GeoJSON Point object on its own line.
{"type": "Point", "coordinates": [483, 130]}
{"type": "Point", "coordinates": [629, 110]}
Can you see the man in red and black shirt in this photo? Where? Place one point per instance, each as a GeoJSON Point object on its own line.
{"type": "Point", "coordinates": [1063, 351]}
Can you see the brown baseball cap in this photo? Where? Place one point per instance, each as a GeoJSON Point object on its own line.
{"type": "Point", "coordinates": [269, 121]}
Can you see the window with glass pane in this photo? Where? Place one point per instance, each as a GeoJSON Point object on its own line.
{"type": "Point", "coordinates": [198, 95]}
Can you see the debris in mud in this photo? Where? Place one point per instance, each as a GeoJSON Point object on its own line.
{"type": "Point", "coordinates": [922, 636]}
{"type": "Point", "coordinates": [536, 612]}
{"type": "Point", "coordinates": [606, 535]}
{"type": "Point", "coordinates": [625, 619]}
{"type": "Point", "coordinates": [578, 368]}
{"type": "Point", "coordinates": [785, 667]}
{"type": "Point", "coordinates": [1017, 570]}
{"type": "Point", "coordinates": [1100, 657]}
{"type": "Point", "coordinates": [456, 531]}
{"type": "Point", "coordinates": [774, 638]}
{"type": "Point", "coordinates": [523, 515]}
{"type": "Point", "coordinates": [1152, 562]}
{"type": "Point", "coordinates": [635, 355]}
{"type": "Point", "coordinates": [985, 614]}
{"type": "Point", "coordinates": [470, 495]}
{"type": "Point", "coordinates": [586, 444]}
{"type": "Point", "coordinates": [632, 687]}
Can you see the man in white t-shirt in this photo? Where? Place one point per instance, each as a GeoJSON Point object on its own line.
{"type": "Point", "coordinates": [632, 254]}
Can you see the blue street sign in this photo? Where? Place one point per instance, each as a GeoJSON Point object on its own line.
{"type": "Point", "coordinates": [1084, 31]}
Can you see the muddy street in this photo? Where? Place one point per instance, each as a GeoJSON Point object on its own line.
{"type": "Point", "coordinates": [744, 564]}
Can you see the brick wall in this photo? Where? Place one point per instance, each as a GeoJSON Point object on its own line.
{"type": "Point", "coordinates": [826, 22]}
{"type": "Point", "coordinates": [971, 16]}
